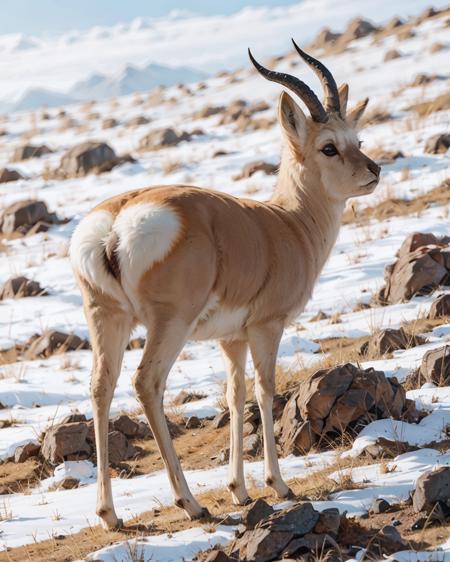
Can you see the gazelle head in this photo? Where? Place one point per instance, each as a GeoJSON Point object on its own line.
{"type": "Point", "coordinates": [324, 146]}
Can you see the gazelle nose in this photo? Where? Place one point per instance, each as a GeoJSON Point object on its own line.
{"type": "Point", "coordinates": [374, 168]}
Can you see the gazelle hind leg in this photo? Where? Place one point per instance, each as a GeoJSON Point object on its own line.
{"type": "Point", "coordinates": [160, 352]}
{"type": "Point", "coordinates": [110, 329]}
{"type": "Point", "coordinates": [235, 353]}
{"type": "Point", "coordinates": [264, 341]}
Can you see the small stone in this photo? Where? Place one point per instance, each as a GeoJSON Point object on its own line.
{"type": "Point", "coordinates": [380, 505]}
{"type": "Point", "coordinates": [221, 419]}
{"type": "Point", "coordinates": [193, 422]}
{"type": "Point", "coordinates": [126, 425]}
{"type": "Point", "coordinates": [431, 487]}
{"type": "Point", "coordinates": [255, 512]}
{"type": "Point", "coordinates": [440, 307]}
{"type": "Point", "coordinates": [69, 483]}
{"type": "Point", "coordinates": [329, 522]}
{"type": "Point", "coordinates": [24, 452]}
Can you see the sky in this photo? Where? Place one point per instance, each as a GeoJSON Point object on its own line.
{"type": "Point", "coordinates": [41, 17]}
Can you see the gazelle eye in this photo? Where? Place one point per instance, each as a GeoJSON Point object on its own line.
{"type": "Point", "coordinates": [330, 150]}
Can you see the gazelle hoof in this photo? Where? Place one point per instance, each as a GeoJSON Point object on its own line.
{"type": "Point", "coordinates": [203, 514]}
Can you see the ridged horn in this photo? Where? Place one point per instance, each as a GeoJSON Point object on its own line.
{"type": "Point", "coordinates": [332, 104]}
{"type": "Point", "coordinates": [299, 88]}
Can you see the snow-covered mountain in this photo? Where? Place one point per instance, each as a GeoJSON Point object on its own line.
{"type": "Point", "coordinates": [133, 79]}
{"type": "Point", "coordinates": [202, 43]}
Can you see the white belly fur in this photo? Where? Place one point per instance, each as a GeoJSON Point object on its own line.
{"type": "Point", "coordinates": [217, 322]}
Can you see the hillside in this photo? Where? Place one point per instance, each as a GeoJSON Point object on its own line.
{"type": "Point", "coordinates": [229, 121]}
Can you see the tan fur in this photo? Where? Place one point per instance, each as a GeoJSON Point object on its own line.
{"type": "Point", "coordinates": [238, 271]}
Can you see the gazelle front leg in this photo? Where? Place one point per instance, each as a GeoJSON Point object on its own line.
{"type": "Point", "coordinates": [235, 354]}
{"type": "Point", "coordinates": [264, 341]}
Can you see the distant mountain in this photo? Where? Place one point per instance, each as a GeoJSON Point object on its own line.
{"type": "Point", "coordinates": [132, 79]}
{"type": "Point", "coordinates": [40, 97]}
{"type": "Point", "coordinates": [100, 86]}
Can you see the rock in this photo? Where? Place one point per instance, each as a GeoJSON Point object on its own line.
{"type": "Point", "coordinates": [389, 540]}
{"type": "Point", "coordinates": [52, 342]}
{"type": "Point", "coordinates": [87, 157]}
{"type": "Point", "coordinates": [184, 397]}
{"type": "Point", "coordinates": [391, 55]}
{"type": "Point", "coordinates": [233, 111]}
{"type": "Point", "coordinates": [109, 123]}
{"type": "Point", "coordinates": [163, 138]}
{"type": "Point", "coordinates": [24, 452]}
{"type": "Point", "coordinates": [261, 545]}
{"type": "Point", "coordinates": [431, 487]}
{"type": "Point", "coordinates": [255, 512]}
{"type": "Point", "coordinates": [208, 111]}
{"type": "Point", "coordinates": [435, 366]}
{"type": "Point", "coordinates": [7, 175]}
{"type": "Point", "coordinates": [391, 339]}
{"type": "Point", "coordinates": [138, 120]}
{"type": "Point", "coordinates": [217, 556]}
{"type": "Point", "coordinates": [423, 79]}
{"type": "Point", "coordinates": [126, 425]}
{"type": "Point", "coordinates": [299, 519]}
{"type": "Point", "coordinates": [324, 38]}
{"type": "Point", "coordinates": [118, 447]}
{"type": "Point", "coordinates": [356, 29]}
{"type": "Point", "coordinates": [329, 522]}
{"type": "Point", "coordinates": [30, 151]}
{"type": "Point", "coordinates": [63, 440]}
{"type": "Point", "coordinates": [25, 214]}
{"type": "Point", "coordinates": [422, 265]}
{"type": "Point", "coordinates": [249, 428]}
{"type": "Point", "coordinates": [221, 419]}
{"type": "Point", "coordinates": [144, 431]}
{"type": "Point", "coordinates": [440, 307]}
{"type": "Point", "coordinates": [380, 505]}
{"type": "Point", "coordinates": [438, 144]}
{"type": "Point", "coordinates": [68, 483]}
{"type": "Point", "coordinates": [252, 445]}
{"type": "Point", "coordinates": [19, 287]}
{"type": "Point", "coordinates": [258, 166]}
{"type": "Point", "coordinates": [319, 316]}
{"type": "Point", "coordinates": [72, 418]}
{"type": "Point", "coordinates": [333, 400]}
{"type": "Point", "coordinates": [193, 422]}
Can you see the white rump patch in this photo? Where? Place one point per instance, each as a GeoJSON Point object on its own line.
{"type": "Point", "coordinates": [147, 233]}
{"type": "Point", "coordinates": [87, 250]}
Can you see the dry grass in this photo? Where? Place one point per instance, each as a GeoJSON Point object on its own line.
{"type": "Point", "coordinates": [171, 519]}
{"type": "Point", "coordinates": [388, 208]}
{"type": "Point", "coordinates": [425, 108]}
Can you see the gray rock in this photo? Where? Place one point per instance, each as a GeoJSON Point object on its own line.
{"type": "Point", "coordinates": [255, 512]}
{"type": "Point", "coordinates": [61, 441]}
{"type": "Point", "coordinates": [299, 519]}
{"type": "Point", "coordinates": [431, 487]}
{"type": "Point", "coordinates": [30, 151]}
{"type": "Point", "coordinates": [88, 157]}
{"type": "Point", "coordinates": [24, 452]}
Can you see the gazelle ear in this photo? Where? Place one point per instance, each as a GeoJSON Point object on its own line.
{"type": "Point", "coordinates": [293, 124]}
{"type": "Point", "coordinates": [356, 113]}
{"type": "Point", "coordinates": [343, 98]}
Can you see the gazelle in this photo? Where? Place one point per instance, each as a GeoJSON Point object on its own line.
{"type": "Point", "coordinates": [191, 263]}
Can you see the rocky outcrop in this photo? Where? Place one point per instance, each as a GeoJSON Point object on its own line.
{"type": "Point", "coordinates": [423, 264]}
{"type": "Point", "coordinates": [335, 400]}
{"type": "Point", "coordinates": [52, 342]}
{"type": "Point", "coordinates": [7, 175]}
{"type": "Point", "coordinates": [30, 151]}
{"type": "Point", "coordinates": [163, 138]}
{"type": "Point", "coordinates": [432, 487]}
{"type": "Point", "coordinates": [27, 216]}
{"type": "Point", "coordinates": [19, 287]}
{"type": "Point", "coordinates": [258, 166]}
{"type": "Point", "coordinates": [89, 157]}
{"type": "Point", "coordinates": [438, 144]}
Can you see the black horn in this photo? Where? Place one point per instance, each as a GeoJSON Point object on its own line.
{"type": "Point", "coordinates": [299, 88]}
{"type": "Point", "coordinates": [330, 88]}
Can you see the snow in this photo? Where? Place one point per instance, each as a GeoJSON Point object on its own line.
{"type": "Point", "coordinates": [37, 394]}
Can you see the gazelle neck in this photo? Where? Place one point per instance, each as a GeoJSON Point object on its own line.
{"type": "Point", "coordinates": [305, 199]}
